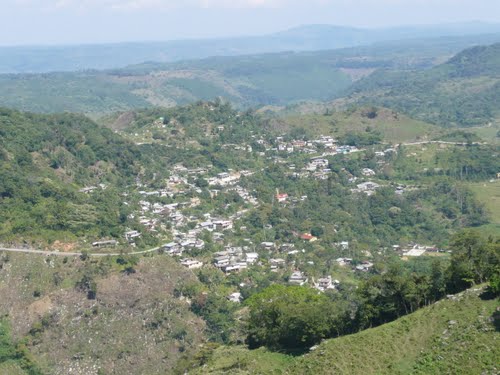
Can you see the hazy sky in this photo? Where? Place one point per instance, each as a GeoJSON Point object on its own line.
{"type": "Point", "coordinates": [90, 21]}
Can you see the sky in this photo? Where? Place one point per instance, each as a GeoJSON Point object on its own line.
{"type": "Point", "coordinates": [32, 22]}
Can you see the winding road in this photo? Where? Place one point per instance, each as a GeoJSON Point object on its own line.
{"type": "Point", "coordinates": [71, 254]}
{"type": "Point", "coordinates": [441, 143]}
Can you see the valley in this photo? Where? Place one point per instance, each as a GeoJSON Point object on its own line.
{"type": "Point", "coordinates": [331, 211]}
{"type": "Point", "coordinates": [232, 203]}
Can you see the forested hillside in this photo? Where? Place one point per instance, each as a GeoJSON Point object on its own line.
{"type": "Point", "coordinates": [464, 91]}
{"type": "Point", "coordinates": [45, 160]}
{"type": "Point", "coordinates": [203, 224]}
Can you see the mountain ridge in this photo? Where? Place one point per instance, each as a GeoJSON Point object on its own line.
{"type": "Point", "coordinates": [42, 59]}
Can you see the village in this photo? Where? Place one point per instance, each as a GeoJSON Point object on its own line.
{"type": "Point", "coordinates": [217, 238]}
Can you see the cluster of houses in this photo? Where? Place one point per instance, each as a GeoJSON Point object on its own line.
{"type": "Point", "coordinates": [234, 259]}
{"type": "Point", "coordinates": [183, 243]}
{"type": "Point", "coordinates": [326, 283]}
{"type": "Point", "coordinates": [323, 284]}
{"type": "Point", "coordinates": [327, 144]}
{"type": "Point", "coordinates": [317, 163]}
{"type": "Point", "coordinates": [245, 195]}
{"type": "Point", "coordinates": [224, 179]}
{"type": "Point", "coordinates": [154, 215]}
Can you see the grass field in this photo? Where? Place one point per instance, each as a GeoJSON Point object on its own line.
{"type": "Point", "coordinates": [487, 133]}
{"type": "Point", "coordinates": [489, 194]}
{"type": "Point", "coordinates": [394, 127]}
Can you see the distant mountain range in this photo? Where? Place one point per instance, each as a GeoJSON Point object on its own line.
{"type": "Point", "coordinates": [40, 59]}
{"type": "Point", "coordinates": [448, 81]}
{"type": "Point", "coordinates": [386, 73]}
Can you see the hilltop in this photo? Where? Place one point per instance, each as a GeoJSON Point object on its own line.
{"type": "Point", "coordinates": [457, 335]}
{"type": "Point", "coordinates": [393, 127]}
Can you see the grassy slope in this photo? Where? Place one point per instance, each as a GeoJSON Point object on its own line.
{"type": "Point", "coordinates": [489, 194]}
{"type": "Point", "coordinates": [453, 336]}
{"type": "Point", "coordinates": [487, 133]}
{"type": "Point", "coordinates": [394, 127]}
{"type": "Point", "coordinates": [241, 361]}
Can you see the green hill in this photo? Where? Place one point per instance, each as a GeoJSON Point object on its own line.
{"type": "Point", "coordinates": [480, 60]}
{"type": "Point", "coordinates": [458, 335]}
{"type": "Point", "coordinates": [464, 91]}
{"type": "Point", "coordinates": [44, 162]}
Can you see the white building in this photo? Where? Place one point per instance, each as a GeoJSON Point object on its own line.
{"type": "Point", "coordinates": [251, 258]}
{"type": "Point", "coordinates": [191, 263]}
{"type": "Point", "coordinates": [325, 283]}
{"type": "Point", "coordinates": [235, 297]}
{"type": "Point", "coordinates": [297, 278]}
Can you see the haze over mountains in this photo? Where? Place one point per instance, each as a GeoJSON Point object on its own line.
{"type": "Point", "coordinates": [38, 59]}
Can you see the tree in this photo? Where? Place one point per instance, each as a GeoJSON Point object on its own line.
{"type": "Point", "coordinates": [474, 260]}
{"type": "Point", "coordinates": [288, 317]}
{"type": "Point", "coordinates": [218, 313]}
{"type": "Point", "coordinates": [438, 280]}
{"type": "Point", "coordinates": [317, 231]}
{"type": "Point", "coordinates": [87, 285]}
{"type": "Point", "coordinates": [391, 295]}
{"type": "Point", "coordinates": [495, 282]}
